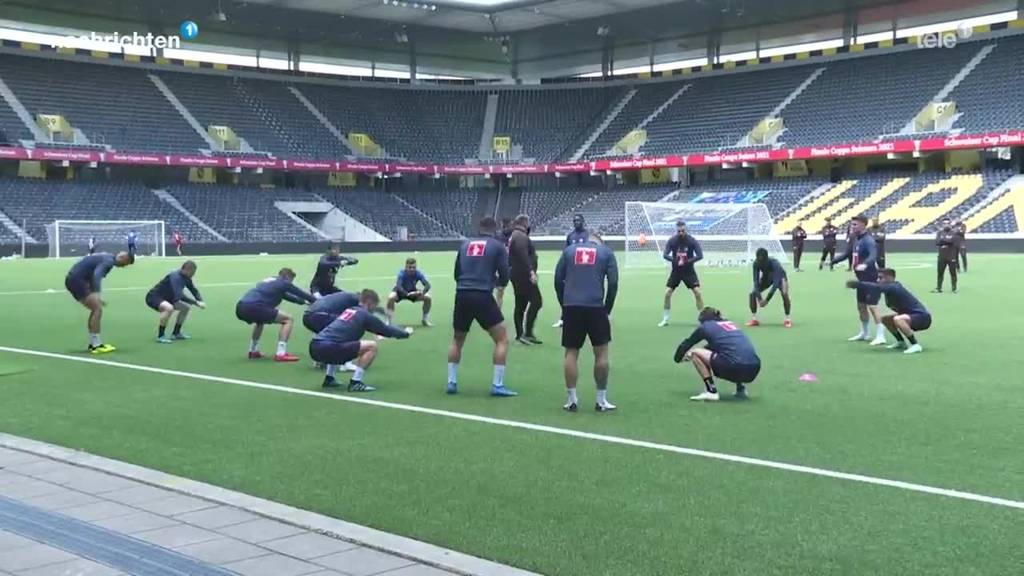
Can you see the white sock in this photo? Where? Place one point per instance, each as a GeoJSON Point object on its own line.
{"type": "Point", "coordinates": [602, 396]}
{"type": "Point", "coordinates": [94, 340]}
{"type": "Point", "coordinates": [357, 376]}
{"type": "Point", "coordinates": [880, 331]}
{"type": "Point", "coordinates": [863, 327]}
{"type": "Point", "coordinates": [282, 348]}
{"type": "Point", "coordinates": [330, 370]}
{"type": "Point", "coordinates": [389, 317]}
{"type": "Point", "coordinates": [254, 346]}
{"type": "Point", "coordinates": [499, 376]}
{"type": "Point", "coordinates": [755, 315]}
{"type": "Point", "coordinates": [426, 317]}
{"type": "Point", "coordinates": [572, 395]}
{"type": "Point", "coordinates": [666, 315]}
{"type": "Point", "coordinates": [453, 371]}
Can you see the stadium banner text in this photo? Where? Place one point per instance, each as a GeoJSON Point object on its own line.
{"type": "Point", "coordinates": [939, 144]}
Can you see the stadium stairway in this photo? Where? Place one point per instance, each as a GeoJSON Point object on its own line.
{"type": "Point", "coordinates": [487, 131]}
{"type": "Point", "coordinates": [28, 127]}
{"type": "Point", "coordinates": [781, 107]}
{"type": "Point", "coordinates": [605, 122]}
{"type": "Point", "coordinates": [13, 227]}
{"type": "Point", "coordinates": [167, 197]}
{"type": "Point", "coordinates": [953, 83]}
{"type": "Point", "coordinates": [185, 114]}
{"type": "Point", "coordinates": [1001, 212]}
{"type": "Point", "coordinates": [323, 119]}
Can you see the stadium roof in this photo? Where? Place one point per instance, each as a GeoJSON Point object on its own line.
{"type": "Point", "coordinates": [471, 15]}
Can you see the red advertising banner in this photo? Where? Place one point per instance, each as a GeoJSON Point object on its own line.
{"type": "Point", "coordinates": [938, 144]}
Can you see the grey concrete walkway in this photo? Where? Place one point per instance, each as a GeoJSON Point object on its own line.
{"type": "Point", "coordinates": [248, 542]}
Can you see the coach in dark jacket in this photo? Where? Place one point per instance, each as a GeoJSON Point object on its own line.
{"type": "Point", "coordinates": [523, 260]}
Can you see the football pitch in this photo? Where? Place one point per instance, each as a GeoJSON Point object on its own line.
{"type": "Point", "coordinates": [845, 475]}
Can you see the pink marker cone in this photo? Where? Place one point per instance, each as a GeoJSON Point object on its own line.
{"type": "Point", "coordinates": [808, 377]}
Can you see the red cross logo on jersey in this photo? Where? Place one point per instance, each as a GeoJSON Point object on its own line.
{"type": "Point", "coordinates": [586, 256]}
{"type": "Point", "coordinates": [347, 315]}
{"type": "Point", "coordinates": [681, 258]}
{"type": "Point", "coordinates": [728, 326]}
{"type": "Point", "coordinates": [477, 248]}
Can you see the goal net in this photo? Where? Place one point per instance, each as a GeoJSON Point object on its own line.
{"type": "Point", "coordinates": [71, 237]}
{"type": "Point", "coordinates": [729, 234]}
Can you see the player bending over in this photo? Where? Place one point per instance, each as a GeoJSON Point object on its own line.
{"type": "Point", "coordinates": [407, 288]}
{"type": "Point", "coordinates": [339, 342]}
{"type": "Point", "coordinates": [683, 251]}
{"type": "Point", "coordinates": [481, 264]}
{"type": "Point", "coordinates": [84, 283]}
{"type": "Point", "coordinates": [910, 315]}
{"type": "Point", "coordinates": [863, 254]}
{"type": "Point", "coordinates": [768, 275]}
{"type": "Point", "coordinates": [729, 354]}
{"type": "Point", "coordinates": [322, 312]}
{"type": "Point", "coordinates": [259, 307]}
{"type": "Point", "coordinates": [327, 268]}
{"type": "Point", "coordinates": [169, 295]}
{"type": "Point", "coordinates": [580, 286]}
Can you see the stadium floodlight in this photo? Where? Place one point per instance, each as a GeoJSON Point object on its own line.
{"type": "Point", "coordinates": [71, 237]}
{"type": "Point", "coordinates": [729, 234]}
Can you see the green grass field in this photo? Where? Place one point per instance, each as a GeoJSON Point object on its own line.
{"type": "Point", "coordinates": [952, 417]}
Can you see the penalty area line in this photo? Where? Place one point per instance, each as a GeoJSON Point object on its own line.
{"type": "Point", "coordinates": [565, 432]}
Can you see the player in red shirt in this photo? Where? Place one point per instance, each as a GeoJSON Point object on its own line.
{"type": "Point", "coordinates": [179, 241]}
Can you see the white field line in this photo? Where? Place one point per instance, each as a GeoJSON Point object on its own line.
{"type": "Point", "coordinates": [616, 440]}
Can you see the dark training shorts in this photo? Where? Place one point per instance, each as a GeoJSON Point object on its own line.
{"type": "Point", "coordinates": [475, 305]}
{"type": "Point", "coordinates": [77, 288]}
{"type": "Point", "coordinates": [732, 371]}
{"type": "Point", "coordinates": [315, 322]}
{"type": "Point", "coordinates": [685, 276]}
{"type": "Point", "coordinates": [585, 322]}
{"type": "Point", "coordinates": [407, 298]}
{"type": "Point", "coordinates": [153, 300]}
{"type": "Point", "coordinates": [255, 314]}
{"type": "Point", "coordinates": [333, 352]}
{"type": "Point", "coordinates": [869, 296]}
{"type": "Point", "coordinates": [920, 322]}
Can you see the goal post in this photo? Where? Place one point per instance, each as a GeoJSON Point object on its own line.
{"type": "Point", "coordinates": [729, 234]}
{"type": "Point", "coordinates": [70, 238]}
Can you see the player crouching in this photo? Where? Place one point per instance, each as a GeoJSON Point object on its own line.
{"type": "Point", "coordinates": [407, 288]}
{"type": "Point", "coordinates": [340, 342]}
{"type": "Point", "coordinates": [729, 354]}
{"type": "Point", "coordinates": [169, 295]}
{"type": "Point", "coordinates": [322, 312]}
{"type": "Point", "coordinates": [259, 306]}
{"type": "Point", "coordinates": [768, 275]}
{"type": "Point", "coordinates": [910, 315]}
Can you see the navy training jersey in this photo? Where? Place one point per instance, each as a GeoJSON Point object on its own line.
{"type": "Point", "coordinates": [92, 270]}
{"type": "Point", "coordinates": [725, 339]}
{"type": "Point", "coordinates": [581, 274]}
{"type": "Point", "coordinates": [577, 237]}
{"type": "Point", "coordinates": [352, 323]}
{"type": "Point", "coordinates": [772, 270]}
{"type": "Point", "coordinates": [898, 298]}
{"type": "Point", "coordinates": [334, 303]}
{"type": "Point", "coordinates": [864, 251]}
{"type": "Point", "coordinates": [271, 291]}
{"type": "Point", "coordinates": [683, 251]}
{"type": "Point", "coordinates": [481, 264]}
{"type": "Point", "coordinates": [172, 288]}
{"type": "Point", "coordinates": [406, 282]}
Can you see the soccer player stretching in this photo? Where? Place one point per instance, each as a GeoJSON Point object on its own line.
{"type": "Point", "coordinates": [169, 295]}
{"type": "Point", "coordinates": [729, 354]}
{"type": "Point", "coordinates": [828, 247]}
{"type": "Point", "coordinates": [259, 306]}
{"type": "Point", "coordinates": [407, 288]}
{"type": "Point", "coordinates": [84, 283]}
{"type": "Point", "coordinates": [683, 251]}
{"type": "Point", "coordinates": [947, 243]}
{"type": "Point", "coordinates": [339, 342]}
{"type": "Point", "coordinates": [580, 286]}
{"type": "Point", "coordinates": [863, 254]}
{"type": "Point", "coordinates": [768, 275]}
{"type": "Point", "coordinates": [482, 263]}
{"type": "Point", "coordinates": [799, 236]}
{"type": "Point", "coordinates": [910, 315]}
{"type": "Point", "coordinates": [327, 268]}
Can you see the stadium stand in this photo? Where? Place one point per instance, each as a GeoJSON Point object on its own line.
{"type": "Point", "coordinates": [40, 202]}
{"type": "Point", "coordinates": [605, 211]}
{"type": "Point", "coordinates": [546, 122]}
{"type": "Point", "coordinates": [647, 99]}
{"type": "Point", "coordinates": [113, 105]}
{"type": "Point", "coordinates": [447, 124]}
{"type": "Point", "coordinates": [454, 209]}
{"type": "Point", "coordinates": [305, 135]}
{"type": "Point", "coordinates": [545, 204]}
{"type": "Point", "coordinates": [12, 129]}
{"type": "Point", "coordinates": [244, 214]}
{"type": "Point", "coordinates": [385, 213]}
{"type": "Point", "coordinates": [983, 101]}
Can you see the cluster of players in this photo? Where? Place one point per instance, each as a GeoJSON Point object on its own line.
{"type": "Point", "coordinates": [586, 285]}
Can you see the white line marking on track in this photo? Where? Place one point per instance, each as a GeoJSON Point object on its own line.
{"type": "Point", "coordinates": [921, 488]}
